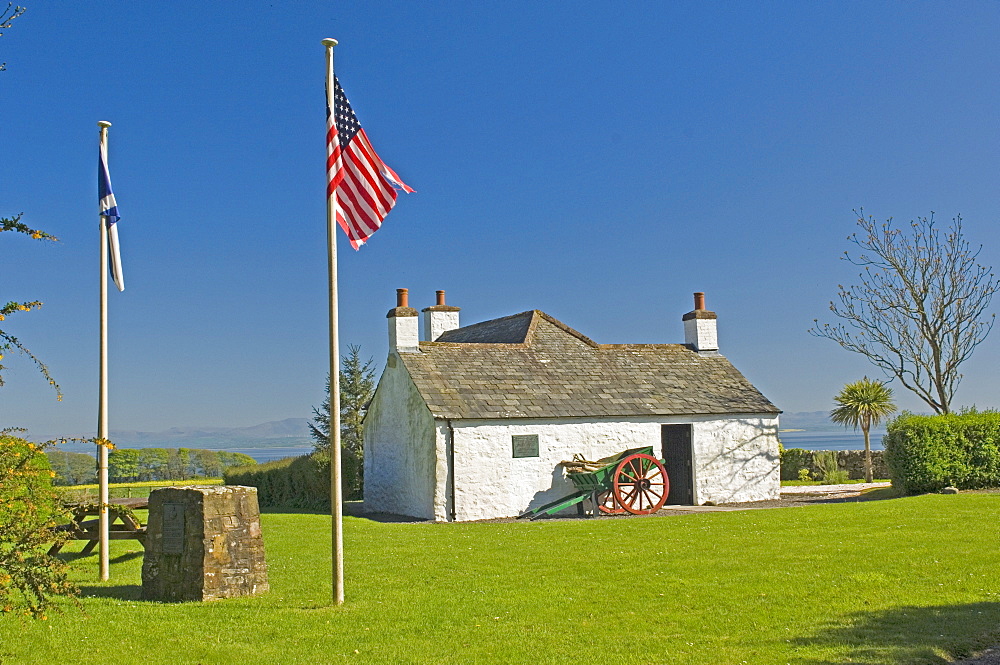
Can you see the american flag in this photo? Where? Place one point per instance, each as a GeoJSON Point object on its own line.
{"type": "Point", "coordinates": [362, 187]}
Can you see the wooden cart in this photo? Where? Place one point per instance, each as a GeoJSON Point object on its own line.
{"type": "Point", "coordinates": [631, 482]}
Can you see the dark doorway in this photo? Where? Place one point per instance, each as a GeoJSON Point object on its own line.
{"type": "Point", "coordinates": [677, 458]}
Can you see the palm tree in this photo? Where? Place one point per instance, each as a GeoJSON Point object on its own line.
{"type": "Point", "coordinates": [862, 404]}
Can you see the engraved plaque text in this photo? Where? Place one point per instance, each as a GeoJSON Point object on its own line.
{"type": "Point", "coordinates": [173, 528]}
{"type": "Point", "coordinates": [525, 445]}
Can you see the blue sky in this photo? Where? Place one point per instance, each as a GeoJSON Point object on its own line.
{"type": "Point", "coordinates": [598, 161]}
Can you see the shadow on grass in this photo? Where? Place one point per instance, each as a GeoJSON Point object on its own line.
{"type": "Point", "coordinates": [118, 591]}
{"type": "Point", "coordinates": [71, 557]}
{"type": "Point", "coordinates": [909, 635]}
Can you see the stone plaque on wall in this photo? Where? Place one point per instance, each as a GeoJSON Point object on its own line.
{"type": "Point", "coordinates": [173, 528]}
{"type": "Point", "coordinates": [525, 445]}
{"type": "Point", "coordinates": [203, 543]}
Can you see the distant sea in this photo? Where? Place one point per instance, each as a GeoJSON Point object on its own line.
{"type": "Point", "coordinates": [845, 440]}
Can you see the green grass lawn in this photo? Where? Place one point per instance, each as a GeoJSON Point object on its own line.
{"type": "Point", "coordinates": [900, 581]}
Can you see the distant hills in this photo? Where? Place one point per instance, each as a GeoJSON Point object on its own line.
{"type": "Point", "coordinates": [287, 433]}
{"type": "Point", "coordinates": [294, 433]}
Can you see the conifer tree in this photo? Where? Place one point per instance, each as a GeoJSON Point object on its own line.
{"type": "Point", "coordinates": [357, 386]}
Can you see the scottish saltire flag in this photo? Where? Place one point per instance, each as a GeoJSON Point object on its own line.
{"type": "Point", "coordinates": [109, 210]}
{"type": "Point", "coordinates": [363, 188]}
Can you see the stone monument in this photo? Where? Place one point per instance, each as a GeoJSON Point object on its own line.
{"type": "Point", "coordinates": [203, 542]}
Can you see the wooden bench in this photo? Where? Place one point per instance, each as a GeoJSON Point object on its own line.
{"type": "Point", "coordinates": [81, 528]}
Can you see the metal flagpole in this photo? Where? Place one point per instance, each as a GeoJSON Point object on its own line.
{"type": "Point", "coordinates": [102, 400]}
{"type": "Point", "coordinates": [336, 498]}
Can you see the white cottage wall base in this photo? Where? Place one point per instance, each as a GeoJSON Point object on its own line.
{"type": "Point", "coordinates": [490, 483]}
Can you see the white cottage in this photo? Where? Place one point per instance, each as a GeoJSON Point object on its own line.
{"type": "Point", "coordinates": [473, 422]}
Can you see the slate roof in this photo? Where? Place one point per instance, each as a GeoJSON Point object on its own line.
{"type": "Point", "coordinates": [530, 365]}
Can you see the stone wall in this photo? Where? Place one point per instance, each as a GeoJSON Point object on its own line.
{"type": "Point", "coordinates": [203, 543]}
{"type": "Point", "coordinates": [852, 461]}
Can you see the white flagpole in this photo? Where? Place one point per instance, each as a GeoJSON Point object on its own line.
{"type": "Point", "coordinates": [102, 400]}
{"type": "Point", "coordinates": [336, 493]}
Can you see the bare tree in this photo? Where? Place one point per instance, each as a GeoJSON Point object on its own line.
{"type": "Point", "coordinates": [920, 309]}
{"type": "Point", "coordinates": [7, 17]}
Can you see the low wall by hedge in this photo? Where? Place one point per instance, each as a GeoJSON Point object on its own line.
{"type": "Point", "coordinates": [928, 453]}
{"type": "Point", "coordinates": [852, 461]}
{"type": "Point", "coordinates": [294, 482]}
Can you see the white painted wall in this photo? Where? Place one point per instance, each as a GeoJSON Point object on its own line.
{"type": "Point", "coordinates": [404, 333]}
{"type": "Point", "coordinates": [736, 459]}
{"type": "Point", "coordinates": [401, 465]}
{"type": "Point", "coordinates": [438, 323]}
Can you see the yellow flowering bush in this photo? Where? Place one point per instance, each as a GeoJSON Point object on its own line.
{"type": "Point", "coordinates": [29, 512]}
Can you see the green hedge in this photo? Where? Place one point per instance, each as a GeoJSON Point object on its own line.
{"type": "Point", "coordinates": [294, 482]}
{"type": "Point", "coordinates": [927, 453]}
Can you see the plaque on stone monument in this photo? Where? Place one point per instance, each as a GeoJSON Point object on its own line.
{"type": "Point", "coordinates": [173, 528]}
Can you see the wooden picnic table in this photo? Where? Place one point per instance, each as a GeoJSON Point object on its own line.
{"type": "Point", "coordinates": [81, 528]}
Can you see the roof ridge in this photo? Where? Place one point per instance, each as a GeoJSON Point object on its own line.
{"type": "Point", "coordinates": [562, 326]}
{"type": "Point", "coordinates": [641, 345]}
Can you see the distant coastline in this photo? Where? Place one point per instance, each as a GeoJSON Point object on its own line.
{"type": "Point", "coordinates": [291, 437]}
{"type": "Point", "coordinates": [291, 433]}
{"type": "Point", "coordinates": [845, 439]}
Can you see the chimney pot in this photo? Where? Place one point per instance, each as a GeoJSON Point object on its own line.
{"type": "Point", "coordinates": [440, 298]}
{"type": "Point", "coordinates": [699, 300]}
{"type": "Point", "coordinates": [402, 297]}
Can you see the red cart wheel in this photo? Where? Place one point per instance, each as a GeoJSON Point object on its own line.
{"type": "Point", "coordinates": [640, 484]}
{"type": "Point", "coordinates": [606, 503]}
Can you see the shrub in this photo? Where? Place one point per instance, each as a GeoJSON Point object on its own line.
{"type": "Point", "coordinates": [927, 453]}
{"type": "Point", "coordinates": [293, 482]}
{"type": "Point", "coordinates": [829, 467]}
{"type": "Point", "coordinates": [29, 509]}
{"type": "Point", "coordinates": [793, 460]}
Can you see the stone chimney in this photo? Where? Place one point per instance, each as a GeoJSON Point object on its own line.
{"type": "Point", "coordinates": [700, 329]}
{"type": "Point", "coordinates": [439, 319]}
{"type": "Point", "coordinates": [404, 330]}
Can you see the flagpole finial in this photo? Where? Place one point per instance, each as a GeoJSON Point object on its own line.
{"type": "Point", "coordinates": [330, 42]}
{"type": "Point", "coordinates": [103, 123]}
